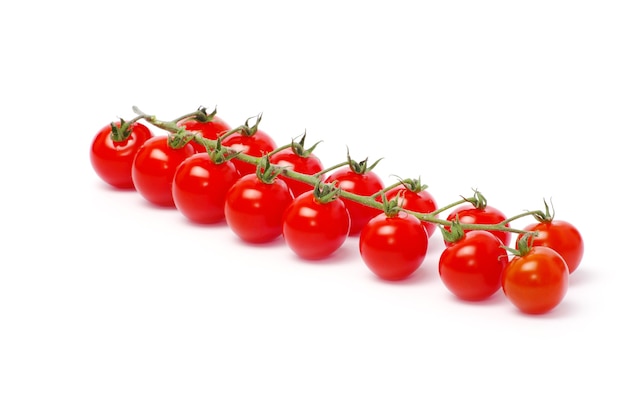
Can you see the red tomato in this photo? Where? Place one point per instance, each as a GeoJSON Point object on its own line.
{"type": "Point", "coordinates": [154, 167]}
{"type": "Point", "coordinates": [200, 186]}
{"type": "Point", "coordinates": [367, 183]}
{"type": "Point", "coordinates": [256, 144]}
{"type": "Point", "coordinates": [393, 247]}
{"type": "Point", "coordinates": [471, 268]}
{"type": "Point", "coordinates": [560, 236]}
{"type": "Point", "coordinates": [211, 129]}
{"type": "Point", "coordinates": [315, 230]}
{"type": "Point", "coordinates": [113, 160]}
{"type": "Point", "coordinates": [421, 202]}
{"type": "Point", "coordinates": [254, 209]}
{"type": "Point", "coordinates": [468, 214]}
{"type": "Point", "coordinates": [305, 164]}
{"type": "Point", "coordinates": [537, 281]}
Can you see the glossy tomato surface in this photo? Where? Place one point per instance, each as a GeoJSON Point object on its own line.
{"type": "Point", "coordinates": [419, 201]}
{"type": "Point", "coordinates": [254, 209]}
{"type": "Point", "coordinates": [154, 167]}
{"type": "Point", "coordinates": [256, 145]}
{"type": "Point", "coordinates": [537, 281]}
{"type": "Point", "coordinates": [211, 129]}
{"type": "Point", "coordinates": [367, 184]}
{"type": "Point", "coordinates": [200, 186]}
{"type": "Point", "coordinates": [471, 268]}
{"type": "Point", "coordinates": [560, 236]}
{"type": "Point", "coordinates": [309, 164]}
{"type": "Point", "coordinates": [468, 214]}
{"type": "Point", "coordinates": [112, 160]}
{"type": "Point", "coordinates": [393, 248]}
{"type": "Point", "coordinates": [315, 230]}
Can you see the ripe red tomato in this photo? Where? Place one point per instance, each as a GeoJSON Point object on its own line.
{"type": "Point", "coordinates": [471, 268]}
{"type": "Point", "coordinates": [200, 186]}
{"type": "Point", "coordinates": [468, 214]}
{"type": "Point", "coordinates": [367, 183]}
{"type": "Point", "coordinates": [305, 164]}
{"type": "Point", "coordinates": [315, 230]}
{"type": "Point", "coordinates": [560, 236]}
{"type": "Point", "coordinates": [537, 281]}
{"type": "Point", "coordinates": [113, 160]}
{"type": "Point", "coordinates": [393, 247]}
{"type": "Point", "coordinates": [210, 129]}
{"type": "Point", "coordinates": [154, 167]}
{"type": "Point", "coordinates": [420, 201]}
{"type": "Point", "coordinates": [254, 209]}
{"type": "Point", "coordinates": [256, 143]}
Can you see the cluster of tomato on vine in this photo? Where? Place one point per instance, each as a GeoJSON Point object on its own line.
{"type": "Point", "coordinates": [211, 173]}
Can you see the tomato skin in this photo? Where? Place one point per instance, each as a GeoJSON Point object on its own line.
{"type": "Point", "coordinates": [154, 167]}
{"type": "Point", "coordinates": [420, 202]}
{"type": "Point", "coordinates": [309, 164]}
{"type": "Point", "coordinates": [393, 248]}
{"type": "Point", "coordinates": [254, 210]}
{"type": "Point", "coordinates": [256, 145]}
{"type": "Point", "coordinates": [537, 281]}
{"type": "Point", "coordinates": [471, 268]}
{"type": "Point", "coordinates": [315, 230]}
{"type": "Point", "coordinates": [112, 161]}
{"type": "Point", "coordinates": [365, 184]}
{"type": "Point", "coordinates": [487, 215]}
{"type": "Point", "coordinates": [199, 188]}
{"type": "Point", "coordinates": [210, 130]}
{"type": "Point", "coordinates": [560, 236]}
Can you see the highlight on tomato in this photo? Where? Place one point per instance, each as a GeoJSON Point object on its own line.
{"type": "Point", "coordinates": [316, 223]}
{"type": "Point", "coordinates": [358, 178]}
{"type": "Point", "coordinates": [536, 279]}
{"type": "Point", "coordinates": [471, 266]}
{"type": "Point", "coordinates": [209, 125]}
{"type": "Point", "coordinates": [561, 236]}
{"type": "Point", "coordinates": [201, 183]}
{"type": "Point", "coordinates": [256, 203]}
{"type": "Point", "coordinates": [412, 195]}
{"type": "Point", "coordinates": [297, 158]}
{"type": "Point", "coordinates": [393, 244]}
{"type": "Point", "coordinates": [154, 167]}
{"type": "Point", "coordinates": [250, 140]}
{"type": "Point", "coordinates": [479, 212]}
{"type": "Point", "coordinates": [113, 150]}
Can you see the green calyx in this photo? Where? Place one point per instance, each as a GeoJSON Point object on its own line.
{"type": "Point", "coordinates": [524, 245]}
{"type": "Point", "coordinates": [266, 172]}
{"type": "Point", "coordinates": [361, 167]}
{"type": "Point", "coordinates": [478, 200]}
{"type": "Point", "coordinates": [391, 208]}
{"type": "Point", "coordinates": [201, 115]}
{"type": "Point", "coordinates": [547, 215]}
{"type": "Point", "coordinates": [249, 130]}
{"type": "Point", "coordinates": [120, 131]}
{"type": "Point", "coordinates": [455, 233]}
{"type": "Point", "coordinates": [298, 147]}
{"type": "Point", "coordinates": [221, 154]}
{"type": "Point", "coordinates": [179, 139]}
{"type": "Point", "coordinates": [326, 192]}
{"type": "Point", "coordinates": [413, 185]}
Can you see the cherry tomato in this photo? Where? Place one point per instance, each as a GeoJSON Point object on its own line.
{"type": "Point", "coordinates": [419, 201]}
{"type": "Point", "coordinates": [154, 167]}
{"type": "Point", "coordinates": [256, 144]}
{"type": "Point", "coordinates": [305, 164]}
{"type": "Point", "coordinates": [200, 186]}
{"type": "Point", "coordinates": [367, 183]}
{"type": "Point", "coordinates": [471, 268]}
{"type": "Point", "coordinates": [254, 209]}
{"type": "Point", "coordinates": [537, 281]}
{"type": "Point", "coordinates": [560, 236]}
{"type": "Point", "coordinates": [393, 247]}
{"type": "Point", "coordinates": [468, 214]}
{"type": "Point", "coordinates": [211, 129]}
{"type": "Point", "coordinates": [113, 160]}
{"type": "Point", "coordinates": [315, 230]}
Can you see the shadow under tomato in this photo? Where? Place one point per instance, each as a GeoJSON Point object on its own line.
{"type": "Point", "coordinates": [565, 309]}
{"type": "Point", "coordinates": [497, 299]}
{"type": "Point", "coordinates": [417, 277]}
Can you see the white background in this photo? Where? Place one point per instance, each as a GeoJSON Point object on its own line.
{"type": "Point", "coordinates": [109, 305]}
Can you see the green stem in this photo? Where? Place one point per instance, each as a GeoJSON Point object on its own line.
{"type": "Point", "coordinates": [314, 179]}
